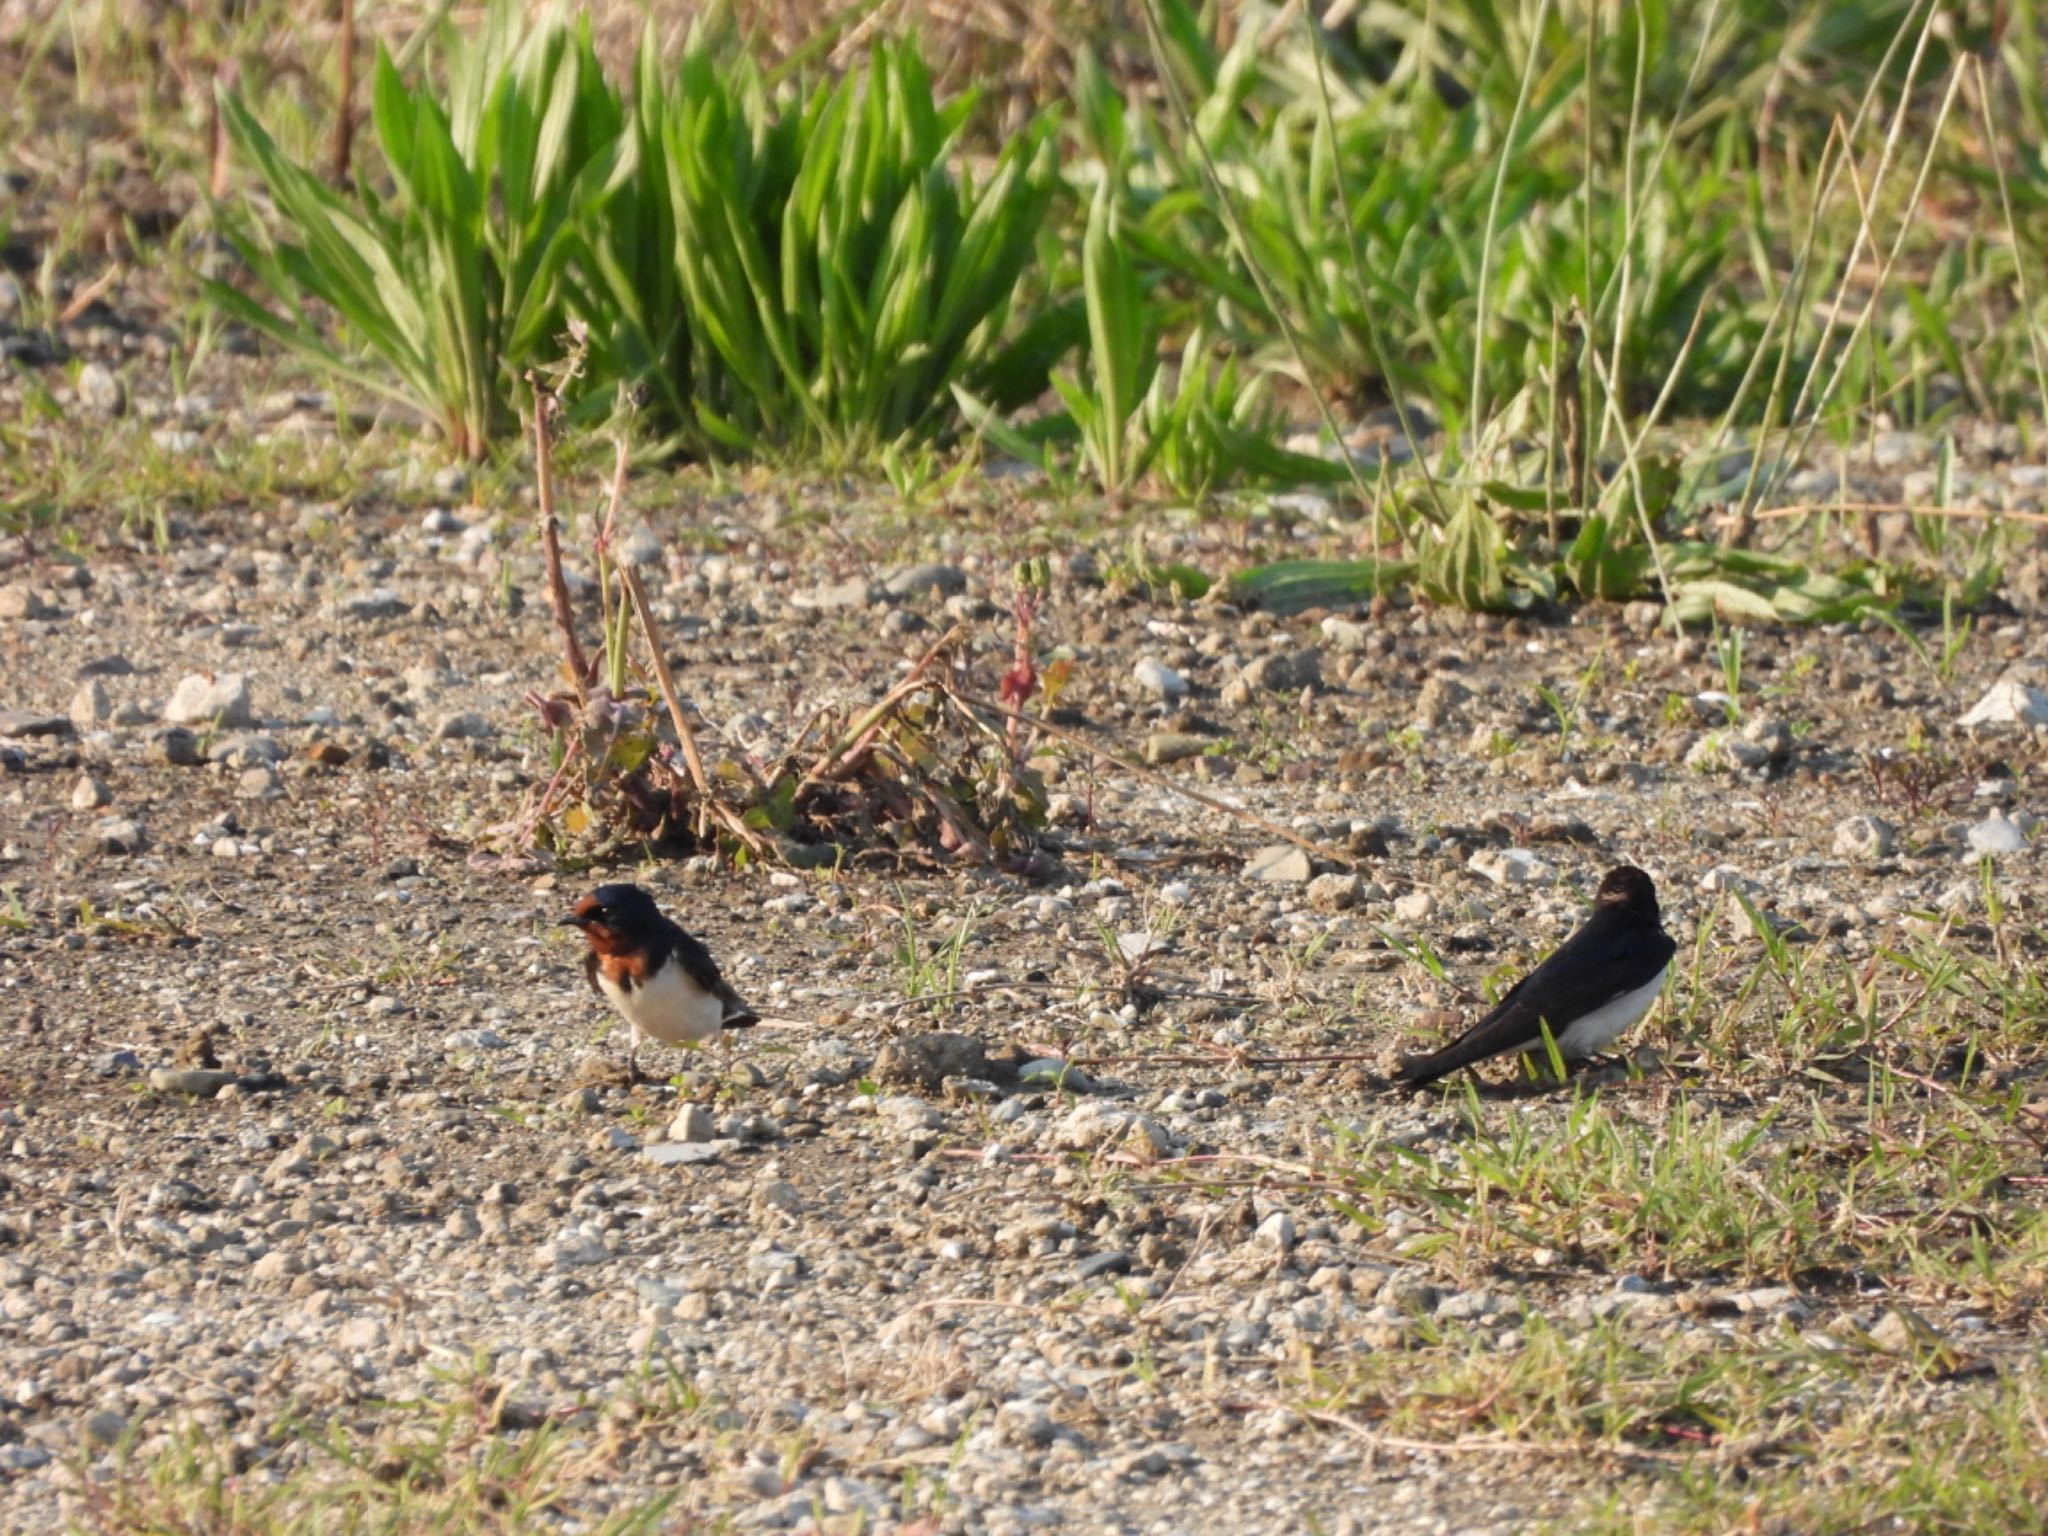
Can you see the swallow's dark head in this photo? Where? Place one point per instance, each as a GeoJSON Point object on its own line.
{"type": "Point", "coordinates": [615, 916]}
{"type": "Point", "coordinates": [1631, 890]}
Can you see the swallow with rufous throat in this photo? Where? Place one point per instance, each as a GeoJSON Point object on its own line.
{"type": "Point", "coordinates": [1594, 986]}
{"type": "Point", "coordinates": [660, 980]}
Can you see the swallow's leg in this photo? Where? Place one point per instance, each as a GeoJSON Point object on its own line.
{"type": "Point", "coordinates": [1603, 1062]}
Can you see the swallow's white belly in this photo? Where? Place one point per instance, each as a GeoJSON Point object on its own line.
{"type": "Point", "coordinates": [1591, 1033]}
{"type": "Point", "coordinates": [668, 1007]}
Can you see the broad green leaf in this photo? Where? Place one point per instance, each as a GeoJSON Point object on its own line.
{"type": "Point", "coordinates": [1292, 586]}
{"type": "Point", "coordinates": [1464, 564]}
{"type": "Point", "coordinates": [1603, 565]}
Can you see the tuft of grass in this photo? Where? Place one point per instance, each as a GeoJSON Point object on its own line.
{"type": "Point", "coordinates": [1696, 1195]}
{"type": "Point", "coordinates": [931, 967]}
{"type": "Point", "coordinates": [456, 1465]}
{"type": "Point", "coordinates": [1969, 1460]}
{"type": "Point", "coordinates": [1609, 1386]}
{"type": "Point", "coordinates": [1769, 1433]}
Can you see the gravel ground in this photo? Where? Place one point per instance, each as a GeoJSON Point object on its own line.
{"type": "Point", "coordinates": [310, 1114]}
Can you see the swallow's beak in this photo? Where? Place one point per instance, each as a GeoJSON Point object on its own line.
{"type": "Point", "coordinates": [571, 921]}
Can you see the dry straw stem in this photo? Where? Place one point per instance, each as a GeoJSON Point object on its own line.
{"type": "Point", "coordinates": [1836, 153]}
{"type": "Point", "coordinates": [1152, 776]}
{"type": "Point", "coordinates": [1476, 411]}
{"type": "Point", "coordinates": [1866, 233]}
{"type": "Point", "coordinates": [860, 739]}
{"type": "Point", "coordinates": [551, 534]}
{"type": "Point", "coordinates": [1472, 1445]}
{"type": "Point", "coordinates": [89, 294]}
{"type": "Point", "coordinates": [1395, 392]}
{"type": "Point", "coordinates": [692, 757]}
{"type": "Point", "coordinates": [1222, 1056]}
{"type": "Point", "coordinates": [1632, 444]}
{"type": "Point", "coordinates": [708, 804]}
{"type": "Point", "coordinates": [709, 807]}
{"type": "Point", "coordinates": [2012, 234]}
{"type": "Point", "coordinates": [1820, 508]}
{"type": "Point", "coordinates": [1067, 988]}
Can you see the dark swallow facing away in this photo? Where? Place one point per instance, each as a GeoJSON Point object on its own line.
{"type": "Point", "coordinates": [662, 981]}
{"type": "Point", "coordinates": [1592, 988]}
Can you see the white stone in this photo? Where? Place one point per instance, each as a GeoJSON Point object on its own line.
{"type": "Point", "coordinates": [1865, 837]}
{"type": "Point", "coordinates": [1509, 866]}
{"type": "Point", "coordinates": [1277, 1231]}
{"type": "Point", "coordinates": [90, 706]}
{"type": "Point", "coordinates": [1279, 864]}
{"type": "Point", "coordinates": [2009, 702]}
{"type": "Point", "coordinates": [1136, 946]}
{"type": "Point", "coordinates": [1996, 835]}
{"type": "Point", "coordinates": [1156, 677]}
{"type": "Point", "coordinates": [206, 699]}
{"type": "Point", "coordinates": [1415, 907]}
{"type": "Point", "coordinates": [1345, 634]}
{"type": "Point", "coordinates": [1725, 877]}
{"type": "Point", "coordinates": [1334, 893]}
{"type": "Point", "coordinates": [693, 1123]}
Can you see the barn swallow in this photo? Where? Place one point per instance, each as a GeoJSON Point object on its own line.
{"type": "Point", "coordinates": [661, 980]}
{"type": "Point", "coordinates": [1594, 986]}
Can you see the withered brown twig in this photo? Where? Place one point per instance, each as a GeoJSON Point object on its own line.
{"type": "Point", "coordinates": [709, 806]}
{"type": "Point", "coordinates": [341, 153]}
{"type": "Point", "coordinates": [1151, 775]}
{"type": "Point", "coordinates": [859, 738]}
{"type": "Point", "coordinates": [551, 535]}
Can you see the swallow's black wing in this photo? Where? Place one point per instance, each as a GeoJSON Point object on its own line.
{"type": "Point", "coordinates": [698, 965]}
{"type": "Point", "coordinates": [1612, 954]}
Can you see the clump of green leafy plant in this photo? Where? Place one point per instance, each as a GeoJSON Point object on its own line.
{"type": "Point", "coordinates": [1197, 426]}
{"type": "Point", "coordinates": [453, 281]}
{"type": "Point", "coordinates": [806, 276]}
{"type": "Point", "coordinates": [836, 274]}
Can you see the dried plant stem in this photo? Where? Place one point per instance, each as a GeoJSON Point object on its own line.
{"type": "Point", "coordinates": [429, 25]}
{"type": "Point", "coordinates": [342, 151]}
{"type": "Point", "coordinates": [1470, 1445]}
{"type": "Point", "coordinates": [636, 594]}
{"type": "Point", "coordinates": [1811, 508]}
{"type": "Point", "coordinates": [541, 804]}
{"type": "Point", "coordinates": [860, 738]}
{"type": "Point", "coordinates": [692, 758]}
{"type": "Point", "coordinates": [955, 820]}
{"type": "Point", "coordinates": [1153, 776]}
{"type": "Point", "coordinates": [218, 158]}
{"type": "Point", "coordinates": [1077, 988]}
{"type": "Point", "coordinates": [89, 294]}
{"type": "Point", "coordinates": [551, 536]}
{"type": "Point", "coordinates": [1224, 1058]}
{"type": "Point", "coordinates": [602, 545]}
{"type": "Point", "coordinates": [615, 492]}
{"type": "Point", "coordinates": [709, 806]}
